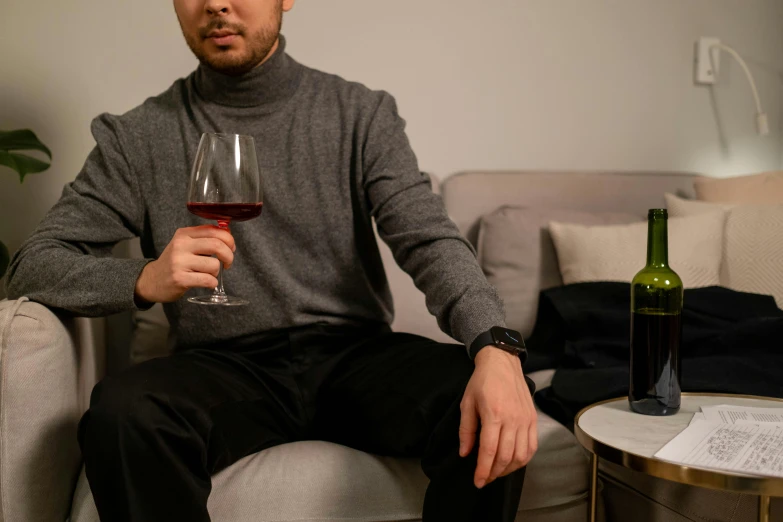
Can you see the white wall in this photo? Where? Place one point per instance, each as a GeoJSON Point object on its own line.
{"type": "Point", "coordinates": [557, 84]}
{"type": "Point", "coordinates": [549, 84]}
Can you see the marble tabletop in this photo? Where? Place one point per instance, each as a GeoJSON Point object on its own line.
{"type": "Point", "coordinates": [614, 424]}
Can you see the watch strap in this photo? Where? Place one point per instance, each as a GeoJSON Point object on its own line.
{"type": "Point", "coordinates": [485, 339]}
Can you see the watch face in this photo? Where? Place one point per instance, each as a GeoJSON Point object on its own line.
{"type": "Point", "coordinates": [509, 337]}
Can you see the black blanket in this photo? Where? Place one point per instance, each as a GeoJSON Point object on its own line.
{"type": "Point", "coordinates": [732, 342]}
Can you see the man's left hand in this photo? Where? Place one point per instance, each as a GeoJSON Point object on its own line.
{"type": "Point", "coordinates": [498, 396]}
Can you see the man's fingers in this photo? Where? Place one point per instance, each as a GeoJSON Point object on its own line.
{"type": "Point", "coordinates": [507, 442]}
{"type": "Point", "coordinates": [204, 264]}
{"type": "Point", "coordinates": [212, 231]}
{"type": "Point", "coordinates": [468, 425]}
{"type": "Point", "coordinates": [488, 447]}
{"type": "Point", "coordinates": [521, 451]}
{"type": "Point", "coordinates": [213, 246]}
{"type": "Point", "coordinates": [203, 281]}
{"type": "Point", "coordinates": [186, 280]}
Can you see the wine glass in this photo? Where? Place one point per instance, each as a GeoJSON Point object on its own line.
{"type": "Point", "coordinates": [225, 185]}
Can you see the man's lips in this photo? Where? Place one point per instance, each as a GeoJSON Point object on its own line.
{"type": "Point", "coordinates": [223, 37]}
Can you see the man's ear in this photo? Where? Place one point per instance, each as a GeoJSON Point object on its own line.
{"type": "Point", "coordinates": [288, 5]}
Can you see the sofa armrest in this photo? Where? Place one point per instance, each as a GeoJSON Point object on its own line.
{"type": "Point", "coordinates": [47, 367]}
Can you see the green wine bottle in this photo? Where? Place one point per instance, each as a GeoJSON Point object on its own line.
{"type": "Point", "coordinates": [656, 327]}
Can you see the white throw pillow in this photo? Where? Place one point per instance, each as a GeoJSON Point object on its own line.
{"type": "Point", "coordinates": [617, 253]}
{"type": "Point", "coordinates": [753, 246]}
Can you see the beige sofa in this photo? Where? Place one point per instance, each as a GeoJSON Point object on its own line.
{"type": "Point", "coordinates": [49, 366]}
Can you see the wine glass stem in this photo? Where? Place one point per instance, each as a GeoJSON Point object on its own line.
{"type": "Point", "coordinates": [219, 294]}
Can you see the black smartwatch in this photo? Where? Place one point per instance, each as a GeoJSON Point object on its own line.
{"type": "Point", "coordinates": [507, 340]}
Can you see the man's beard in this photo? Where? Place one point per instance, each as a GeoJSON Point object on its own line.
{"type": "Point", "coordinates": [257, 48]}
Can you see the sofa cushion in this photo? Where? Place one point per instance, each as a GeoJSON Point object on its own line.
{"type": "Point", "coordinates": [315, 481]}
{"type": "Point", "coordinates": [617, 253]}
{"type": "Point", "coordinates": [516, 252]}
{"type": "Point", "coordinates": [305, 481]}
{"type": "Point", "coordinates": [758, 188]}
{"type": "Point", "coordinates": [753, 249]}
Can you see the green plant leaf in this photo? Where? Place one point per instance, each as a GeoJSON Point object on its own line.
{"type": "Point", "coordinates": [5, 258]}
{"type": "Point", "coordinates": [22, 163]}
{"type": "Point", "coordinates": [22, 140]}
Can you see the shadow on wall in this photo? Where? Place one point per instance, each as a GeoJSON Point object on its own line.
{"type": "Point", "coordinates": [723, 142]}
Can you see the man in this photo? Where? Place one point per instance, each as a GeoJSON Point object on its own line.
{"type": "Point", "coordinates": [312, 357]}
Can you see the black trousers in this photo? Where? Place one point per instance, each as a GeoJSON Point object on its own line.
{"type": "Point", "coordinates": [155, 433]}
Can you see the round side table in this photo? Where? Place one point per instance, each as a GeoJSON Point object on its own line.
{"type": "Point", "coordinates": [610, 430]}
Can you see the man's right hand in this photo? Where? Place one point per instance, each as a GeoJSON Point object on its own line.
{"type": "Point", "coordinates": [186, 263]}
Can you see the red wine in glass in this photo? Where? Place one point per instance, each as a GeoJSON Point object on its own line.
{"type": "Point", "coordinates": [226, 212]}
{"type": "Point", "coordinates": [225, 186]}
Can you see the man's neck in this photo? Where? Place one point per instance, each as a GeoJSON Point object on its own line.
{"type": "Point", "coordinates": [266, 85]}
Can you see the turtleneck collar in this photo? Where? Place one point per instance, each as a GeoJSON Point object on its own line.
{"type": "Point", "coordinates": [269, 84]}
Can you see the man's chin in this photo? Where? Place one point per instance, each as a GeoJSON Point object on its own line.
{"type": "Point", "coordinates": [228, 62]}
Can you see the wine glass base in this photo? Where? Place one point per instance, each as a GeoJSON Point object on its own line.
{"type": "Point", "coordinates": [222, 300]}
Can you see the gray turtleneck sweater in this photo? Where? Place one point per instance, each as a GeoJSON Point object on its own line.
{"type": "Point", "coordinates": [333, 156]}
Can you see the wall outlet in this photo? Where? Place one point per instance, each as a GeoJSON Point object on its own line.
{"type": "Point", "coordinates": [706, 61]}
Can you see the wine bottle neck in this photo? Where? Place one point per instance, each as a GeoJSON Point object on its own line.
{"type": "Point", "coordinates": [657, 241]}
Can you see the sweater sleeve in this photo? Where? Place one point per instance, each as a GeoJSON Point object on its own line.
{"type": "Point", "coordinates": [413, 221]}
{"type": "Point", "coordinates": [67, 262]}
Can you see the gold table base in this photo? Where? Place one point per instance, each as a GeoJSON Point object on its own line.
{"type": "Point", "coordinates": [764, 500]}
